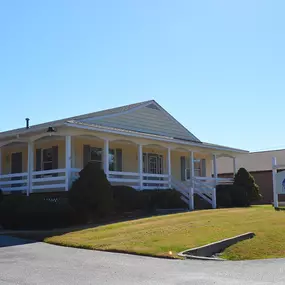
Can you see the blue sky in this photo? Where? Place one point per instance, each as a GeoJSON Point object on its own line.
{"type": "Point", "coordinates": [217, 66]}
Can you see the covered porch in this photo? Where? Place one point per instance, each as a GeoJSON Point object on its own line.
{"type": "Point", "coordinates": [50, 162]}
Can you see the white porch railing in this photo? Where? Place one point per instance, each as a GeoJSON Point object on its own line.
{"type": "Point", "coordinates": [128, 178]}
{"type": "Point", "coordinates": [14, 182]}
{"type": "Point", "coordinates": [155, 181]}
{"type": "Point", "coordinates": [57, 180]}
{"type": "Point", "coordinates": [150, 181]}
{"type": "Point", "coordinates": [205, 187]}
{"type": "Point", "coordinates": [215, 181]}
{"type": "Point", "coordinates": [48, 179]}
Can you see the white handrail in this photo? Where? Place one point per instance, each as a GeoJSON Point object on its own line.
{"type": "Point", "coordinates": [46, 172]}
{"type": "Point", "coordinates": [122, 180]}
{"type": "Point", "coordinates": [22, 181]}
{"type": "Point", "coordinates": [75, 169]}
{"type": "Point", "coordinates": [17, 188]}
{"type": "Point", "coordinates": [49, 179]}
{"type": "Point", "coordinates": [13, 175]}
{"type": "Point", "coordinates": [155, 175]}
{"type": "Point", "coordinates": [156, 181]}
{"type": "Point", "coordinates": [123, 173]}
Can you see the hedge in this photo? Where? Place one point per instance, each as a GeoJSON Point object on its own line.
{"type": "Point", "coordinates": [35, 212]}
{"type": "Point", "coordinates": [128, 199]}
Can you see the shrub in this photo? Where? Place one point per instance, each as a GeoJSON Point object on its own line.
{"type": "Point", "coordinates": [231, 196]}
{"type": "Point", "coordinates": [91, 194]}
{"type": "Point", "coordinates": [162, 199]}
{"type": "Point", "coordinates": [126, 198]}
{"type": "Point", "coordinates": [245, 180]}
{"type": "Point", "coordinates": [239, 196]}
{"type": "Point", "coordinates": [224, 196]}
{"type": "Point", "coordinates": [1, 196]}
{"type": "Point", "coordinates": [34, 212]}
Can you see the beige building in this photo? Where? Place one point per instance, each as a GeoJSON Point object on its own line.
{"type": "Point", "coordinates": [259, 164]}
{"type": "Point", "coordinates": [140, 145]}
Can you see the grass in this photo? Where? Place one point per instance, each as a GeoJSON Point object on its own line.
{"type": "Point", "coordinates": [158, 235]}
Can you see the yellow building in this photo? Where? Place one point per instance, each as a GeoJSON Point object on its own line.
{"type": "Point", "coordinates": [140, 145]}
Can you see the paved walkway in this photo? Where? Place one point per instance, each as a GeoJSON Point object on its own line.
{"type": "Point", "coordinates": [39, 263]}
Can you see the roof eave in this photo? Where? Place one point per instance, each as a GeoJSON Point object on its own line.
{"type": "Point", "coordinates": [158, 138]}
{"type": "Point", "coordinates": [23, 131]}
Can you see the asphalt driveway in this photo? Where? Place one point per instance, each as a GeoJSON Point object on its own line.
{"type": "Point", "coordinates": [22, 262]}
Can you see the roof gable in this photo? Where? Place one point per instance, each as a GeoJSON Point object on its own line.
{"type": "Point", "coordinates": [147, 117]}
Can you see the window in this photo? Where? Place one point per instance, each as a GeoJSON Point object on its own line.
{"type": "Point", "coordinates": [197, 167]}
{"type": "Point", "coordinates": [47, 159]}
{"type": "Point", "coordinates": [96, 155]}
{"type": "Point", "coordinates": [152, 163]}
{"type": "Point", "coordinates": [112, 160]}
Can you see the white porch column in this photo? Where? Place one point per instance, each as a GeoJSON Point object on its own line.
{"type": "Point", "coordinates": [73, 161]}
{"type": "Point", "coordinates": [274, 172]}
{"type": "Point", "coordinates": [234, 166]}
{"type": "Point", "coordinates": [169, 166]}
{"type": "Point", "coordinates": [140, 161]}
{"type": "Point", "coordinates": [191, 189]}
{"type": "Point", "coordinates": [214, 198]}
{"type": "Point", "coordinates": [67, 162]}
{"type": "Point", "coordinates": [106, 157]}
{"type": "Point", "coordinates": [30, 167]}
{"type": "Point", "coordinates": [192, 168]}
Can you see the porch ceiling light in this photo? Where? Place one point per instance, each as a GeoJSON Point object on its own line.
{"type": "Point", "coordinates": [51, 130]}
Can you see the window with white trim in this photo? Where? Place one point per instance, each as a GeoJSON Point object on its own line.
{"type": "Point", "coordinates": [197, 167]}
{"type": "Point", "coordinates": [47, 159]}
{"type": "Point", "coordinates": [96, 155]}
{"type": "Point", "coordinates": [112, 160]}
{"type": "Point", "coordinates": [152, 163]}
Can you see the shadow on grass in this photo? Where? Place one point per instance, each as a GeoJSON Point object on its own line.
{"type": "Point", "coordinates": [17, 237]}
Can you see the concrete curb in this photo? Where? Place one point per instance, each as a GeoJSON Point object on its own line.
{"type": "Point", "coordinates": [206, 252]}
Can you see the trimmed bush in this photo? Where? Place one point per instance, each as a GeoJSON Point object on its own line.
{"type": "Point", "coordinates": [239, 196]}
{"type": "Point", "coordinates": [91, 194]}
{"type": "Point", "coordinates": [22, 212]}
{"type": "Point", "coordinates": [243, 179]}
{"type": "Point", "coordinates": [1, 196]}
{"type": "Point", "coordinates": [224, 196]}
{"type": "Point", "coordinates": [162, 199]}
{"type": "Point", "coordinates": [126, 199]}
{"type": "Point", "coordinates": [242, 193]}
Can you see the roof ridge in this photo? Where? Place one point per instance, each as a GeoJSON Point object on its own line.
{"type": "Point", "coordinates": [118, 108]}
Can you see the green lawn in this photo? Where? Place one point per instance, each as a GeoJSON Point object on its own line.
{"type": "Point", "coordinates": [157, 236]}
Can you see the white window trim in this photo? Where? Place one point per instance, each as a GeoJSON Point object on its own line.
{"type": "Point", "coordinates": [42, 160]}
{"type": "Point", "coordinates": [198, 171]}
{"type": "Point", "coordinates": [102, 154]}
{"type": "Point", "coordinates": [146, 154]}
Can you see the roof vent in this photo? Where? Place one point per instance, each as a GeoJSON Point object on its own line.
{"type": "Point", "coordinates": [27, 123]}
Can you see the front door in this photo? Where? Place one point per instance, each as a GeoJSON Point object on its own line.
{"type": "Point", "coordinates": [16, 166]}
{"type": "Point", "coordinates": [152, 163]}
